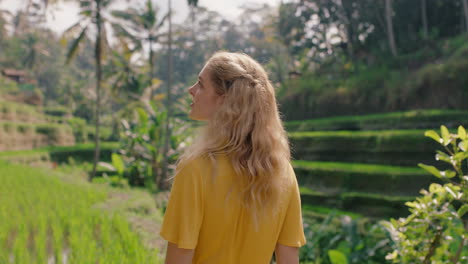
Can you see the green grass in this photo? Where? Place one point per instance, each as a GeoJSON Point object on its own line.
{"type": "Point", "coordinates": [372, 205]}
{"type": "Point", "coordinates": [78, 147]}
{"type": "Point", "coordinates": [357, 134]}
{"type": "Point", "coordinates": [40, 128]}
{"type": "Point", "coordinates": [44, 217]}
{"type": "Point", "coordinates": [79, 152]}
{"type": "Point", "coordinates": [358, 167]}
{"type": "Point", "coordinates": [345, 195]}
{"type": "Point", "coordinates": [312, 211]}
{"type": "Point", "coordinates": [333, 177]}
{"type": "Point", "coordinates": [386, 147]}
{"type": "Point", "coordinates": [27, 111]}
{"type": "Point", "coordinates": [394, 120]}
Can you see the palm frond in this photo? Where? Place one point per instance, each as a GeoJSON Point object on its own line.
{"type": "Point", "coordinates": [75, 45]}
{"type": "Point", "coordinates": [163, 20]}
{"type": "Point", "coordinates": [105, 46]}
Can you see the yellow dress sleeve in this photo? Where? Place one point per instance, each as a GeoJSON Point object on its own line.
{"type": "Point", "coordinates": [184, 212]}
{"type": "Point", "coordinates": [292, 231]}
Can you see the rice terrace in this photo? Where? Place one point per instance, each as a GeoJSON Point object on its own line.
{"type": "Point", "coordinates": [95, 116]}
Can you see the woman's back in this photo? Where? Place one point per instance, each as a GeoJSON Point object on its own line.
{"type": "Point", "coordinates": [237, 208]}
{"type": "Point", "coordinates": [205, 213]}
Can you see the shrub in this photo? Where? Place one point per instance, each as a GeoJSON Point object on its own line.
{"type": "Point", "coordinates": [57, 111]}
{"type": "Point", "coordinates": [435, 232]}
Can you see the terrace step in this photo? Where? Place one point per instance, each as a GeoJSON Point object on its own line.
{"type": "Point", "coordinates": [388, 147]}
{"type": "Point", "coordinates": [369, 205]}
{"type": "Point", "coordinates": [415, 119]}
{"type": "Point", "coordinates": [336, 177]}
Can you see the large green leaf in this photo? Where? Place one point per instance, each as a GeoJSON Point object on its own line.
{"type": "Point", "coordinates": [75, 45]}
{"type": "Point", "coordinates": [431, 169]}
{"type": "Point", "coordinates": [463, 210]}
{"type": "Point", "coordinates": [336, 257]}
{"type": "Point", "coordinates": [448, 174]}
{"type": "Point", "coordinates": [445, 135]}
{"type": "Point", "coordinates": [463, 145]}
{"type": "Point", "coordinates": [432, 134]}
{"type": "Point", "coordinates": [442, 156]}
{"type": "Point", "coordinates": [461, 132]}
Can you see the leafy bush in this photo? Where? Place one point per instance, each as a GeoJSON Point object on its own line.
{"type": "Point", "coordinates": [382, 179]}
{"type": "Point", "coordinates": [435, 231]}
{"type": "Point", "coordinates": [7, 86]}
{"type": "Point", "coordinates": [140, 158]}
{"type": "Point", "coordinates": [79, 129]}
{"type": "Point", "coordinates": [56, 111]}
{"type": "Point", "coordinates": [342, 240]}
{"type": "Point", "coordinates": [388, 147]}
{"type": "Point", "coordinates": [81, 152]}
{"type": "Point", "coordinates": [424, 119]}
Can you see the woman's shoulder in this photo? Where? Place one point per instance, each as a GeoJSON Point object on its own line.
{"type": "Point", "coordinates": [194, 164]}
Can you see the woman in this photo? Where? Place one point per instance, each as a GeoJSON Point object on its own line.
{"type": "Point", "coordinates": [235, 198]}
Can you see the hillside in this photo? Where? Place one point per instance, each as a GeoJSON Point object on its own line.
{"type": "Point", "coordinates": [433, 77]}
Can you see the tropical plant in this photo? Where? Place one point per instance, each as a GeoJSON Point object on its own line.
{"type": "Point", "coordinates": [141, 27]}
{"type": "Point", "coordinates": [141, 146]}
{"type": "Point", "coordinates": [343, 240]}
{"type": "Point", "coordinates": [126, 78]}
{"type": "Point", "coordinates": [435, 231]}
{"type": "Point", "coordinates": [92, 12]}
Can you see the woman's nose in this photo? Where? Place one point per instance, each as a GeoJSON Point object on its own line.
{"type": "Point", "coordinates": [190, 89]}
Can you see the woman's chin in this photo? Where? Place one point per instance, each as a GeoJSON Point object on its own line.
{"type": "Point", "coordinates": [195, 117]}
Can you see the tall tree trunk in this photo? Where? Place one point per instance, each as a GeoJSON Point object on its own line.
{"type": "Point", "coordinates": [346, 18]}
{"type": "Point", "coordinates": [168, 103]}
{"type": "Point", "coordinates": [465, 11]}
{"type": "Point", "coordinates": [424, 18]}
{"type": "Point", "coordinates": [97, 57]}
{"type": "Point", "coordinates": [151, 58]}
{"type": "Point", "coordinates": [391, 37]}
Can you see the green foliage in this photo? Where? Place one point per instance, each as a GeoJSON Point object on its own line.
{"type": "Point", "coordinates": [364, 203]}
{"type": "Point", "coordinates": [339, 177]}
{"type": "Point", "coordinates": [423, 118]}
{"type": "Point", "coordinates": [81, 152]}
{"type": "Point", "coordinates": [341, 239]}
{"type": "Point", "coordinates": [387, 147]}
{"type": "Point", "coordinates": [7, 86]}
{"type": "Point", "coordinates": [79, 128]}
{"type": "Point", "coordinates": [105, 133]}
{"type": "Point", "coordinates": [45, 218]}
{"type": "Point", "coordinates": [435, 231]}
{"type": "Point", "coordinates": [142, 141]}
{"type": "Point", "coordinates": [346, 86]}
{"type": "Point", "coordinates": [56, 111]}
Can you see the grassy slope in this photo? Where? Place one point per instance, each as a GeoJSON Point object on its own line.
{"type": "Point", "coordinates": [393, 120]}
{"type": "Point", "coordinates": [358, 167]}
{"type": "Point", "coordinates": [58, 213]}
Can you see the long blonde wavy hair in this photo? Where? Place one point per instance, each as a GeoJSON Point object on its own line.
{"type": "Point", "coordinates": [247, 128]}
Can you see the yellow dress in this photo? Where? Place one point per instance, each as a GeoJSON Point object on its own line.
{"type": "Point", "coordinates": [202, 214]}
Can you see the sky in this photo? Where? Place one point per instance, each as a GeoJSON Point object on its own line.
{"type": "Point", "coordinates": [62, 16]}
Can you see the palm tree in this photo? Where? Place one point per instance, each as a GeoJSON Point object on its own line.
{"type": "Point", "coordinates": [465, 11]}
{"type": "Point", "coordinates": [390, 35]}
{"type": "Point", "coordinates": [92, 14]}
{"type": "Point", "coordinates": [424, 19]}
{"type": "Point", "coordinates": [141, 26]}
{"type": "Point", "coordinates": [192, 3]}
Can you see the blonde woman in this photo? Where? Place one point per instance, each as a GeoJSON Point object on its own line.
{"type": "Point", "coordinates": [235, 198]}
